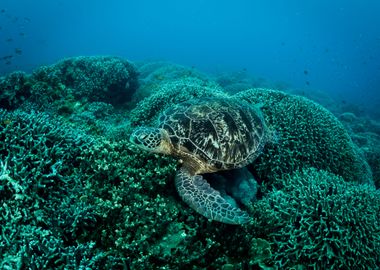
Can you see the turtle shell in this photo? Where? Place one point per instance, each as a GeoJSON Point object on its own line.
{"type": "Point", "coordinates": [223, 133]}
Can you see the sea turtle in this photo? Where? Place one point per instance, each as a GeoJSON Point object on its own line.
{"type": "Point", "coordinates": [207, 135]}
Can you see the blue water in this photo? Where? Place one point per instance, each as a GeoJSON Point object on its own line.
{"type": "Point", "coordinates": [329, 46]}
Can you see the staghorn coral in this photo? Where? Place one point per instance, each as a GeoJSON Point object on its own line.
{"type": "Point", "coordinates": [45, 224]}
{"type": "Point", "coordinates": [320, 221]}
{"type": "Point", "coordinates": [39, 150]}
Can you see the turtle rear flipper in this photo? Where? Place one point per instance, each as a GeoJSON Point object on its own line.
{"type": "Point", "coordinates": [196, 192]}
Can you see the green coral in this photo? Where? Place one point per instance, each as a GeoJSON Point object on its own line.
{"type": "Point", "coordinates": [369, 144]}
{"type": "Point", "coordinates": [152, 74]}
{"type": "Point", "coordinates": [366, 134]}
{"type": "Point", "coordinates": [170, 93]}
{"type": "Point", "coordinates": [156, 72]}
{"type": "Point", "coordinates": [372, 154]}
{"type": "Point", "coordinates": [71, 200]}
{"type": "Point", "coordinates": [72, 82]}
{"type": "Point", "coordinates": [44, 222]}
{"type": "Point", "coordinates": [97, 78]}
{"type": "Point", "coordinates": [14, 89]}
{"type": "Point", "coordinates": [320, 221]}
{"type": "Point", "coordinates": [40, 151]}
{"type": "Point", "coordinates": [305, 135]}
{"type": "Point", "coordinates": [144, 219]}
{"type": "Point", "coordinates": [133, 198]}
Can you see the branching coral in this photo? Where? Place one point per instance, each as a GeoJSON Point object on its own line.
{"type": "Point", "coordinates": [320, 221]}
{"type": "Point", "coordinates": [44, 224]}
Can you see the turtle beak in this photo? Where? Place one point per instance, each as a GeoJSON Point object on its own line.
{"type": "Point", "coordinates": [134, 138]}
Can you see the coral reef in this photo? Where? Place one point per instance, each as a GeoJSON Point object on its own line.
{"type": "Point", "coordinates": [14, 89]}
{"type": "Point", "coordinates": [234, 82]}
{"type": "Point", "coordinates": [64, 193]}
{"type": "Point", "coordinates": [98, 78]}
{"type": "Point", "coordinates": [75, 194]}
{"type": "Point", "coordinates": [154, 74]}
{"type": "Point", "coordinates": [320, 221]}
{"type": "Point", "coordinates": [366, 134]}
{"type": "Point", "coordinates": [72, 82]}
{"type": "Point", "coordinates": [305, 135]}
{"type": "Point", "coordinates": [44, 223]}
{"type": "Point", "coordinates": [155, 229]}
{"type": "Point", "coordinates": [169, 93]}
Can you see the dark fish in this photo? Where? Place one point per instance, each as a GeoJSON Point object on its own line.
{"type": "Point", "coordinates": [22, 34]}
{"type": "Point", "coordinates": [9, 40]}
{"type": "Point", "coordinates": [18, 51]}
{"type": "Point", "coordinates": [305, 72]}
{"type": "Point", "coordinates": [2, 11]}
{"type": "Point", "coordinates": [8, 63]}
{"type": "Point", "coordinates": [307, 83]}
{"type": "Point", "coordinates": [6, 57]}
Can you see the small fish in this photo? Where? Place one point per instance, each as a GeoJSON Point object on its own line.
{"type": "Point", "coordinates": [9, 40]}
{"type": "Point", "coordinates": [305, 72]}
{"type": "Point", "coordinates": [22, 34]}
{"type": "Point", "coordinates": [6, 57]}
{"type": "Point", "coordinates": [8, 63]}
{"type": "Point", "coordinates": [18, 51]}
{"type": "Point", "coordinates": [307, 83]}
{"type": "Point", "coordinates": [26, 19]}
{"type": "Point", "coordinates": [3, 10]}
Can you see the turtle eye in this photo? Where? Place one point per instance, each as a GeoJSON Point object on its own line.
{"type": "Point", "coordinates": [142, 137]}
{"type": "Point", "coordinates": [146, 138]}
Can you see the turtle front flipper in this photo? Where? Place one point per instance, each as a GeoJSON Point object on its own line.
{"type": "Point", "coordinates": [196, 192]}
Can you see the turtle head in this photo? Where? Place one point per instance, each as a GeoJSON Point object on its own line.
{"type": "Point", "coordinates": [151, 139]}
